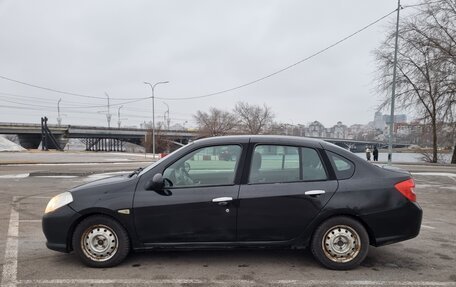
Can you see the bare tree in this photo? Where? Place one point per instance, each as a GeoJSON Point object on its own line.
{"type": "Point", "coordinates": [441, 33]}
{"type": "Point", "coordinates": [253, 119]}
{"type": "Point", "coordinates": [161, 143]}
{"type": "Point", "coordinates": [426, 80]}
{"type": "Point", "coordinates": [215, 123]}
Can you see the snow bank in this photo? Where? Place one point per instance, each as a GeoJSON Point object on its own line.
{"type": "Point", "coordinates": [7, 145]}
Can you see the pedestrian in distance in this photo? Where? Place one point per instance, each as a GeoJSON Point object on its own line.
{"type": "Point", "coordinates": [368, 153]}
{"type": "Point", "coordinates": [375, 153]}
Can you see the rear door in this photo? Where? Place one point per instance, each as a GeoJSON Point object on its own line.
{"type": "Point", "coordinates": [285, 189]}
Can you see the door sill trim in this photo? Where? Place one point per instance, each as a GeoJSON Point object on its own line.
{"type": "Point", "coordinates": [224, 244]}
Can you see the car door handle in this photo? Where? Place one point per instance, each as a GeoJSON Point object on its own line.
{"type": "Point", "coordinates": [314, 192]}
{"type": "Point", "coordinates": [222, 200]}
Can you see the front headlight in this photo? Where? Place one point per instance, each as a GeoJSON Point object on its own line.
{"type": "Point", "coordinates": [59, 201]}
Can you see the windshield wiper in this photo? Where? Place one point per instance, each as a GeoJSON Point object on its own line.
{"type": "Point", "coordinates": [136, 172]}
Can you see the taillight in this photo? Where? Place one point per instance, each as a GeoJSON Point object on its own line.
{"type": "Point", "coordinates": [406, 188]}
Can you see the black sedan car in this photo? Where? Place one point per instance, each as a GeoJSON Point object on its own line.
{"type": "Point", "coordinates": [276, 191]}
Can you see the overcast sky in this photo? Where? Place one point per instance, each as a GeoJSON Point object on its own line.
{"type": "Point", "coordinates": [201, 47]}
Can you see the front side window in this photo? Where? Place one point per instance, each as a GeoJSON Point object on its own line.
{"type": "Point", "coordinates": [215, 165]}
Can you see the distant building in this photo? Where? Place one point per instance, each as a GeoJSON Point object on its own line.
{"type": "Point", "coordinates": [414, 133]}
{"type": "Point", "coordinates": [339, 131]}
{"type": "Point", "coordinates": [316, 129]}
{"type": "Point", "coordinates": [379, 121]}
{"type": "Point", "coordinates": [398, 119]}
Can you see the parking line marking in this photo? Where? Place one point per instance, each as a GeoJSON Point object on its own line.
{"type": "Point", "coordinates": [30, 220]}
{"type": "Point", "coordinates": [427, 226]}
{"type": "Point", "coordinates": [238, 282]}
{"type": "Point", "coordinates": [9, 274]}
{"type": "Point", "coordinates": [33, 196]}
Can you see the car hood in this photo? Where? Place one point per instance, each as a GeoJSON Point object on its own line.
{"type": "Point", "coordinates": [107, 193]}
{"type": "Point", "coordinates": [102, 182]}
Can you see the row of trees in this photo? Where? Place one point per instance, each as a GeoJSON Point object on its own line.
{"type": "Point", "coordinates": [244, 119]}
{"type": "Point", "coordinates": [426, 66]}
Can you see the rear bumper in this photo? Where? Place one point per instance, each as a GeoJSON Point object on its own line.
{"type": "Point", "coordinates": [57, 227]}
{"type": "Point", "coordinates": [394, 225]}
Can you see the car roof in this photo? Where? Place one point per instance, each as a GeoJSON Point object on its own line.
{"type": "Point", "coordinates": [266, 139]}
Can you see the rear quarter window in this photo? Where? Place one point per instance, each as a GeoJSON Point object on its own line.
{"type": "Point", "coordinates": [343, 167]}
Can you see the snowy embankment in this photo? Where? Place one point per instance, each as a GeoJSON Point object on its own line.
{"type": "Point", "coordinates": [7, 145]}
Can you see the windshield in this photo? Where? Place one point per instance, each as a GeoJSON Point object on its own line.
{"type": "Point", "coordinates": [160, 160]}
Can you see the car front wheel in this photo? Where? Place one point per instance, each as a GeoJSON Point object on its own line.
{"type": "Point", "coordinates": [340, 243]}
{"type": "Point", "coordinates": [100, 241]}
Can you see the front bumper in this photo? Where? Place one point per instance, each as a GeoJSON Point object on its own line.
{"type": "Point", "coordinates": [58, 226]}
{"type": "Point", "coordinates": [395, 225]}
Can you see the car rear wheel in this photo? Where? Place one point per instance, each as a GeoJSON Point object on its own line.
{"type": "Point", "coordinates": [100, 241]}
{"type": "Point", "coordinates": [340, 243]}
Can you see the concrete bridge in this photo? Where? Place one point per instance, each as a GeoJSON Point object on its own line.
{"type": "Point", "coordinates": [102, 138]}
{"type": "Point", "coordinates": [30, 135]}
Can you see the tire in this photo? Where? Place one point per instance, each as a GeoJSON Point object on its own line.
{"type": "Point", "coordinates": [340, 243]}
{"type": "Point", "coordinates": [100, 241]}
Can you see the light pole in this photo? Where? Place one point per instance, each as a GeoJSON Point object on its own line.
{"type": "Point", "coordinates": [153, 113]}
{"type": "Point", "coordinates": [59, 119]}
{"type": "Point", "coordinates": [118, 116]}
{"type": "Point", "coordinates": [393, 92]}
{"type": "Point", "coordinates": [167, 116]}
{"type": "Point", "coordinates": [108, 115]}
{"type": "Point", "coordinates": [167, 124]}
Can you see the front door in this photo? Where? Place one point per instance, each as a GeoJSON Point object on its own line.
{"type": "Point", "coordinates": [287, 187]}
{"type": "Point", "coordinates": [198, 203]}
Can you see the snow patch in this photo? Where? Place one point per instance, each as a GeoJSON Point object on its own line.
{"type": "Point", "coordinates": [435, 173]}
{"type": "Point", "coordinates": [104, 175]}
{"type": "Point", "coordinates": [7, 145]}
{"type": "Point", "coordinates": [19, 175]}
{"type": "Point", "coordinates": [57, 176]}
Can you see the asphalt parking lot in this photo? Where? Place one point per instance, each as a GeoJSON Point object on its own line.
{"type": "Point", "coordinates": [428, 260]}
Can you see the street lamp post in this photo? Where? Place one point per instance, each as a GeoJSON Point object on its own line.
{"type": "Point", "coordinates": [118, 116]}
{"type": "Point", "coordinates": [59, 119]}
{"type": "Point", "coordinates": [153, 113]}
{"type": "Point", "coordinates": [167, 116]}
{"type": "Point", "coordinates": [167, 120]}
{"type": "Point", "coordinates": [393, 90]}
{"type": "Point", "coordinates": [108, 115]}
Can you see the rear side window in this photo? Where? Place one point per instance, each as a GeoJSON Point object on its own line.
{"type": "Point", "coordinates": [271, 163]}
{"type": "Point", "coordinates": [312, 167]}
{"type": "Point", "coordinates": [342, 167]}
{"type": "Point", "coordinates": [274, 163]}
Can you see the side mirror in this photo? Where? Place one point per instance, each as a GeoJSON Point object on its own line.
{"type": "Point", "coordinates": [157, 183]}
